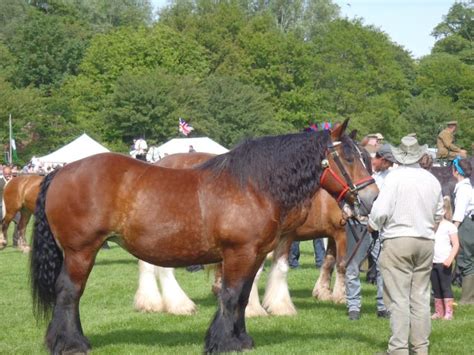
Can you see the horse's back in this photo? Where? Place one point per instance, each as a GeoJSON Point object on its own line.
{"type": "Point", "coordinates": [22, 191]}
{"type": "Point", "coordinates": [184, 160]}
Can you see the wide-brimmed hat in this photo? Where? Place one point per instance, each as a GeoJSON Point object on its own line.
{"type": "Point", "coordinates": [385, 152]}
{"type": "Point", "coordinates": [409, 151]}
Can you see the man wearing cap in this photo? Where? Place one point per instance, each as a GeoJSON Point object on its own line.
{"type": "Point", "coordinates": [406, 213]}
{"type": "Point", "coordinates": [445, 143]}
{"type": "Point", "coordinates": [381, 163]}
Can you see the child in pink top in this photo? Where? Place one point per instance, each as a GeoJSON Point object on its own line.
{"type": "Point", "coordinates": [445, 250]}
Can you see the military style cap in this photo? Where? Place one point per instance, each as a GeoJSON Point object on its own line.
{"type": "Point", "coordinates": [411, 134]}
{"type": "Point", "coordinates": [385, 152]}
{"type": "Point", "coordinates": [379, 136]}
{"type": "Point", "coordinates": [452, 123]}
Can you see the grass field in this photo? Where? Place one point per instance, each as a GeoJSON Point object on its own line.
{"type": "Point", "coordinates": [113, 327]}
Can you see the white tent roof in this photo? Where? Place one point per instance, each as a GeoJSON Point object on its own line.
{"type": "Point", "coordinates": [181, 145]}
{"type": "Point", "coordinates": [79, 148]}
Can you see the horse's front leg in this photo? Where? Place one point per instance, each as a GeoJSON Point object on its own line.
{"type": "Point", "coordinates": [254, 308]}
{"type": "Point", "coordinates": [227, 331]}
{"type": "Point", "coordinates": [322, 288]}
{"type": "Point", "coordinates": [277, 299]}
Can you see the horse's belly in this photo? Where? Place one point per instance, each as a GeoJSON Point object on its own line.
{"type": "Point", "coordinates": [172, 250]}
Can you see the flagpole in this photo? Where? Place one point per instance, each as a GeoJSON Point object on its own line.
{"type": "Point", "coordinates": [10, 158]}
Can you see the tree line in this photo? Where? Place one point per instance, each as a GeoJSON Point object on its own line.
{"type": "Point", "coordinates": [233, 69]}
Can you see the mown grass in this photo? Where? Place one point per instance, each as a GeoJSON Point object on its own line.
{"type": "Point", "coordinates": [113, 327]}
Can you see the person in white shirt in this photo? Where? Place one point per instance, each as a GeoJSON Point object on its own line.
{"type": "Point", "coordinates": [140, 149]}
{"type": "Point", "coordinates": [445, 251]}
{"type": "Point", "coordinates": [406, 213]}
{"type": "Point", "coordinates": [463, 218]}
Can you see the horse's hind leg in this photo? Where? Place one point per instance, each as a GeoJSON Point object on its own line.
{"type": "Point", "coordinates": [64, 334]}
{"type": "Point", "coordinates": [21, 229]}
{"type": "Point", "coordinates": [147, 297]}
{"type": "Point", "coordinates": [174, 299]}
{"type": "Point", "coordinates": [322, 288]}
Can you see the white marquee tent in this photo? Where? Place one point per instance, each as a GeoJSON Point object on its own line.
{"type": "Point", "coordinates": [181, 145]}
{"type": "Point", "coordinates": [79, 148]}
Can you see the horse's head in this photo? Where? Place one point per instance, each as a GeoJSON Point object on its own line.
{"type": "Point", "coordinates": [347, 171]}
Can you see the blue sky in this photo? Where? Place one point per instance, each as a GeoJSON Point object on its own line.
{"type": "Point", "coordinates": [407, 22]}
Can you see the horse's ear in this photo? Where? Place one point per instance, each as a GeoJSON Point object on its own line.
{"type": "Point", "coordinates": [353, 135]}
{"type": "Point", "coordinates": [339, 130]}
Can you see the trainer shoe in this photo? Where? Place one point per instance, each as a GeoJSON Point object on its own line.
{"type": "Point", "coordinates": [354, 315]}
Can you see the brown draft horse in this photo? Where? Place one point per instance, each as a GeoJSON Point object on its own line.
{"type": "Point", "coordinates": [20, 195]}
{"type": "Point", "coordinates": [325, 219]}
{"type": "Point", "coordinates": [232, 209]}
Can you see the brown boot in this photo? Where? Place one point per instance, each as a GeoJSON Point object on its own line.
{"type": "Point", "coordinates": [439, 309]}
{"type": "Point", "coordinates": [448, 308]}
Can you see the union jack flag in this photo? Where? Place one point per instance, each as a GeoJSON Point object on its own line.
{"type": "Point", "coordinates": [184, 127]}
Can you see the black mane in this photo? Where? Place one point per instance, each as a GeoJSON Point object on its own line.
{"type": "Point", "coordinates": [286, 167]}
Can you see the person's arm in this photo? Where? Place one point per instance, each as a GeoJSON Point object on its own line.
{"type": "Point", "coordinates": [383, 207]}
{"type": "Point", "coordinates": [454, 251]}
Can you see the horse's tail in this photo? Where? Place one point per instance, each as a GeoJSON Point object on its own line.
{"type": "Point", "coordinates": [46, 257]}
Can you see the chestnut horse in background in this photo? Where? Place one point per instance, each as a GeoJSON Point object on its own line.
{"type": "Point", "coordinates": [233, 209]}
{"type": "Point", "coordinates": [20, 195]}
{"type": "Point", "coordinates": [325, 219]}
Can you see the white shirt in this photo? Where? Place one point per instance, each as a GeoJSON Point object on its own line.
{"type": "Point", "coordinates": [141, 146]}
{"type": "Point", "coordinates": [379, 177]}
{"type": "Point", "coordinates": [409, 204]}
{"type": "Point", "coordinates": [464, 200]}
{"type": "Point", "coordinates": [443, 246]}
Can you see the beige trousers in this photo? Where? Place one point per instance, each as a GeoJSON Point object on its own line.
{"type": "Point", "coordinates": [406, 264]}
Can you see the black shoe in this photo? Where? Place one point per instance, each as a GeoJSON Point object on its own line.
{"type": "Point", "coordinates": [194, 268]}
{"type": "Point", "coordinates": [354, 315]}
{"type": "Point", "coordinates": [383, 314]}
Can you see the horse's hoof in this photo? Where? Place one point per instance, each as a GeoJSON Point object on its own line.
{"type": "Point", "coordinates": [25, 249]}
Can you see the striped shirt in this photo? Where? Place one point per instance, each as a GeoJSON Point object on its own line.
{"type": "Point", "coordinates": [409, 204]}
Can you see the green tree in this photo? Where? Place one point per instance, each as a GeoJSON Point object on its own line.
{"type": "Point", "coordinates": [445, 75]}
{"type": "Point", "coordinates": [139, 50]}
{"type": "Point", "coordinates": [455, 34]}
{"type": "Point", "coordinates": [47, 48]}
{"type": "Point", "coordinates": [357, 69]}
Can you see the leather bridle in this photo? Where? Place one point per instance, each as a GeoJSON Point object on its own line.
{"type": "Point", "coordinates": [348, 186]}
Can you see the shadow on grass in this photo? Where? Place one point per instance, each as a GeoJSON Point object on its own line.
{"type": "Point", "coordinates": [196, 337]}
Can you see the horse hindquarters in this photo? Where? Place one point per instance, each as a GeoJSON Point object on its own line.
{"type": "Point", "coordinates": [53, 288]}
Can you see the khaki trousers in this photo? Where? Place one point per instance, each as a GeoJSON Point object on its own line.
{"type": "Point", "coordinates": [406, 264]}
